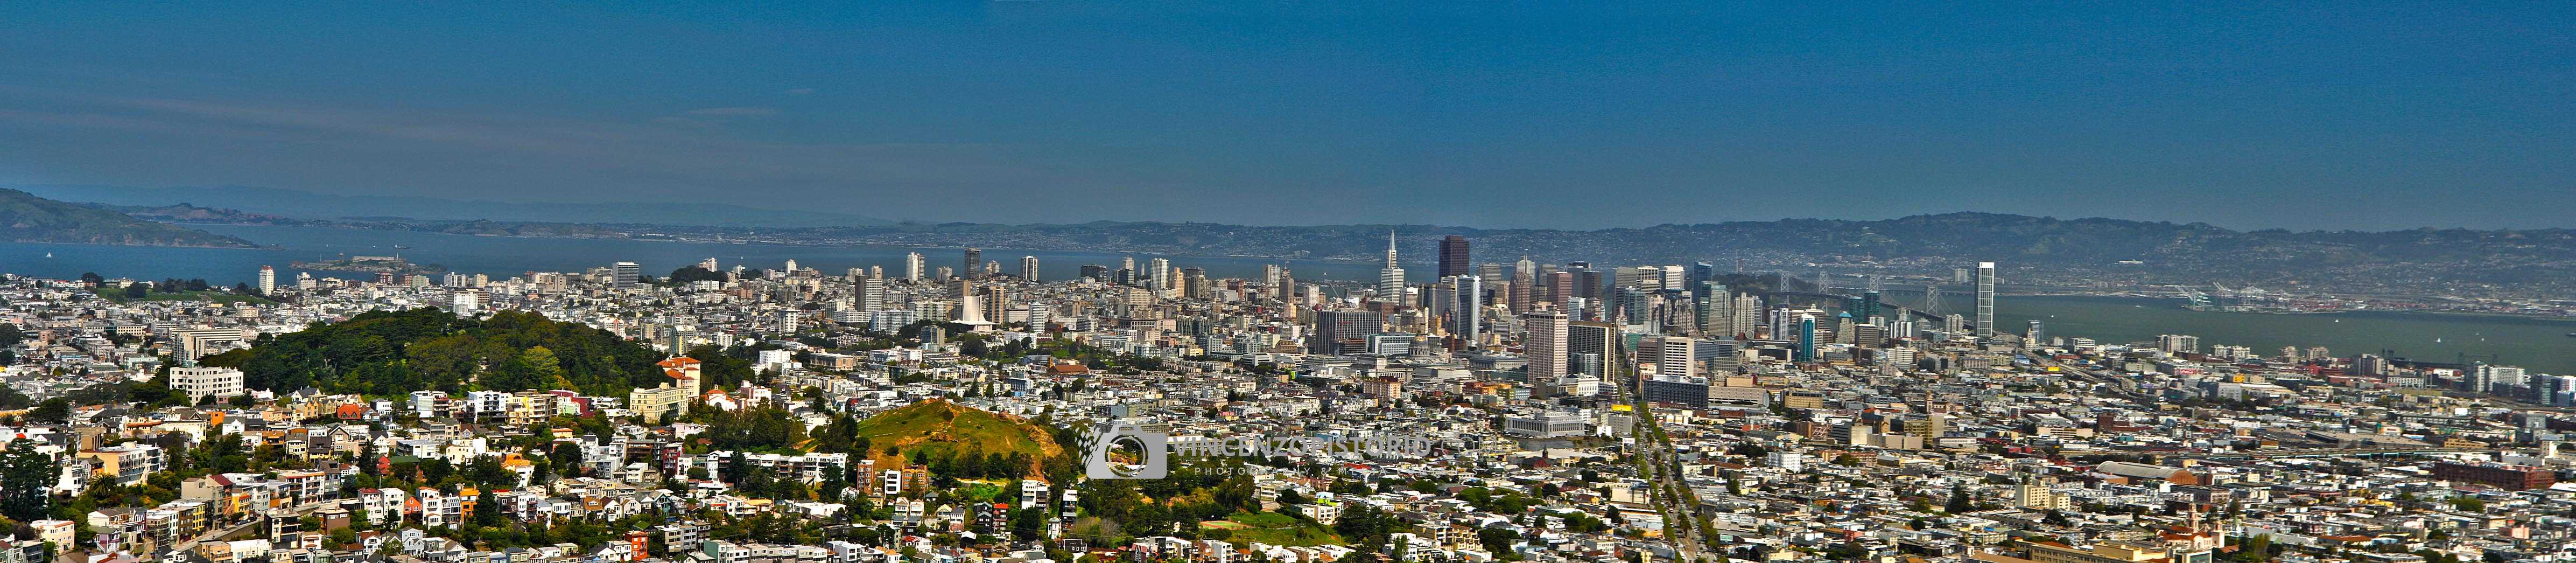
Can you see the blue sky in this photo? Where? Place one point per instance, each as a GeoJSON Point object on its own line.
{"type": "Point", "coordinates": [1497, 114]}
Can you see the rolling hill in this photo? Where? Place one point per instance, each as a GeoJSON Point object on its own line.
{"type": "Point", "coordinates": [27, 218]}
{"type": "Point", "coordinates": [942, 429]}
{"type": "Point", "coordinates": [309, 205]}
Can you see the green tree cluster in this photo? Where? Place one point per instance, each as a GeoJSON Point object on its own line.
{"type": "Point", "coordinates": [397, 352]}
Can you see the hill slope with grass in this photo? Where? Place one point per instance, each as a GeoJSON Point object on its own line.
{"type": "Point", "coordinates": [934, 430]}
{"type": "Point", "coordinates": [27, 218]}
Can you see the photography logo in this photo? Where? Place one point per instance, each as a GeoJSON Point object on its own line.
{"type": "Point", "coordinates": [1102, 442]}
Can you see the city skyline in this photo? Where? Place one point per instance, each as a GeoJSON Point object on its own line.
{"type": "Point", "coordinates": [1484, 282]}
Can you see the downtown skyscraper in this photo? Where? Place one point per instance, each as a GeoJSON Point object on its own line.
{"type": "Point", "coordinates": [1390, 281]}
{"type": "Point", "coordinates": [1453, 257]}
{"type": "Point", "coordinates": [1465, 309]}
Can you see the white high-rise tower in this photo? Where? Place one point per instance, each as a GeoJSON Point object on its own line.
{"type": "Point", "coordinates": [1985, 299]}
{"type": "Point", "coordinates": [1390, 281]}
{"type": "Point", "coordinates": [267, 279]}
{"type": "Point", "coordinates": [913, 266]}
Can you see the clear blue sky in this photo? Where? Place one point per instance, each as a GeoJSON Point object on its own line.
{"type": "Point", "coordinates": [1500, 114]}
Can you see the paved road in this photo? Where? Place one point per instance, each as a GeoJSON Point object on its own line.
{"type": "Point", "coordinates": [1658, 454]}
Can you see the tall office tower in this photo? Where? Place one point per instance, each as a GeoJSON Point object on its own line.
{"type": "Point", "coordinates": [1094, 272]}
{"type": "Point", "coordinates": [997, 304]}
{"type": "Point", "coordinates": [1158, 273]}
{"type": "Point", "coordinates": [1953, 323]}
{"type": "Point", "coordinates": [1673, 275]}
{"type": "Point", "coordinates": [1748, 312]}
{"type": "Point", "coordinates": [2037, 334]}
{"type": "Point", "coordinates": [1543, 341]}
{"type": "Point", "coordinates": [1700, 272]}
{"type": "Point", "coordinates": [974, 262]}
{"type": "Point", "coordinates": [1270, 275]}
{"type": "Point", "coordinates": [1869, 306]}
{"type": "Point", "coordinates": [947, 273]}
{"type": "Point", "coordinates": [959, 288]}
{"type": "Point", "coordinates": [267, 280]}
{"type": "Point", "coordinates": [1985, 299]}
{"type": "Point", "coordinates": [709, 264]}
{"type": "Point", "coordinates": [914, 266]}
{"type": "Point", "coordinates": [1491, 271]}
{"type": "Point", "coordinates": [871, 294]}
{"type": "Point", "coordinates": [1127, 263]}
{"type": "Point", "coordinates": [1560, 288]}
{"type": "Point", "coordinates": [1390, 281]}
{"type": "Point", "coordinates": [1467, 306]}
{"type": "Point", "coordinates": [1627, 276]}
{"type": "Point", "coordinates": [1712, 310]}
{"type": "Point", "coordinates": [1438, 300]}
{"type": "Point", "coordinates": [1595, 339]}
{"type": "Point", "coordinates": [1029, 268]}
{"type": "Point", "coordinates": [1806, 338]}
{"type": "Point", "coordinates": [1519, 295]}
{"type": "Point", "coordinates": [1524, 285]}
{"type": "Point", "coordinates": [623, 274]}
{"type": "Point", "coordinates": [1340, 331]}
{"type": "Point", "coordinates": [1673, 356]}
{"type": "Point", "coordinates": [1637, 307]}
{"type": "Point", "coordinates": [791, 265]}
{"type": "Point", "coordinates": [1587, 285]}
{"type": "Point", "coordinates": [1453, 256]}
{"type": "Point", "coordinates": [1194, 284]}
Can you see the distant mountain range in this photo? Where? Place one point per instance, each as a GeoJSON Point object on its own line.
{"type": "Point", "coordinates": [27, 218]}
{"type": "Point", "coordinates": [2033, 250]}
{"type": "Point", "coordinates": [2037, 249]}
{"type": "Point", "coordinates": [309, 205]}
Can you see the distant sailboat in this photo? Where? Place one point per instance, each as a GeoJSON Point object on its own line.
{"type": "Point", "coordinates": [49, 255]}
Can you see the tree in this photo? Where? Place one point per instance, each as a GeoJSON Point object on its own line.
{"type": "Point", "coordinates": [24, 473]}
{"type": "Point", "coordinates": [487, 509]}
{"type": "Point", "coordinates": [1498, 541]}
{"type": "Point", "coordinates": [1959, 503]}
{"type": "Point", "coordinates": [55, 410]}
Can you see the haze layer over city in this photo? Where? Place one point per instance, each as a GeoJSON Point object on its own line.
{"type": "Point", "coordinates": [1071, 282]}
